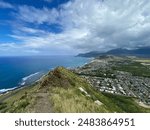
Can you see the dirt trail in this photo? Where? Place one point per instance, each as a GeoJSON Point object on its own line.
{"type": "Point", "coordinates": [42, 104]}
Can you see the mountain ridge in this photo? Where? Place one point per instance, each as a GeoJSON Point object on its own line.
{"type": "Point", "coordinates": [63, 90]}
{"type": "Point", "coordinates": [141, 52]}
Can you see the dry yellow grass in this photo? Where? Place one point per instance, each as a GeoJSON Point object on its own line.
{"type": "Point", "coordinates": [72, 100]}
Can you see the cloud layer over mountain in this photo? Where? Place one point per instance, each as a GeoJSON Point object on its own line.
{"type": "Point", "coordinates": [78, 26]}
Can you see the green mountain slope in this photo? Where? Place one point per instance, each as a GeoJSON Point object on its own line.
{"type": "Point", "coordinates": [63, 91]}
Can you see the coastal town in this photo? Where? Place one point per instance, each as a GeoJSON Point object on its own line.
{"type": "Point", "coordinates": [105, 84]}
{"type": "Point", "coordinates": [102, 74]}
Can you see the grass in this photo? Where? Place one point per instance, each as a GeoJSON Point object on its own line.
{"type": "Point", "coordinates": [109, 105]}
{"type": "Point", "coordinates": [136, 69]}
{"type": "Point", "coordinates": [65, 96]}
{"type": "Point", "coordinates": [17, 100]}
{"type": "Point", "coordinates": [19, 106]}
{"type": "Point", "coordinates": [3, 105]}
{"type": "Point", "coordinates": [127, 104]}
{"type": "Point", "coordinates": [72, 100]}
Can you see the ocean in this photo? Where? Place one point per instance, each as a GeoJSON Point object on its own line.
{"type": "Point", "coordinates": [19, 71]}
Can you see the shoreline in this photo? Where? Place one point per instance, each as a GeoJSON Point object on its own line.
{"type": "Point", "coordinates": [21, 86]}
{"type": "Point", "coordinates": [19, 79]}
{"type": "Point", "coordinates": [34, 87]}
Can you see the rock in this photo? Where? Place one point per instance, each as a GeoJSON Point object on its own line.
{"type": "Point", "coordinates": [82, 90]}
{"type": "Point", "coordinates": [98, 102]}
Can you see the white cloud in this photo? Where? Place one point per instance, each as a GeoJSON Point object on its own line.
{"type": "Point", "coordinates": [87, 25]}
{"type": "Point", "coordinates": [32, 31]}
{"type": "Point", "coordinates": [110, 24]}
{"type": "Point", "coordinates": [5, 5]}
{"type": "Point", "coordinates": [39, 16]}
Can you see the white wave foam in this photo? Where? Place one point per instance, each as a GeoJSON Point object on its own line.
{"type": "Point", "coordinates": [23, 83]}
{"type": "Point", "coordinates": [5, 90]}
{"type": "Point", "coordinates": [28, 77]}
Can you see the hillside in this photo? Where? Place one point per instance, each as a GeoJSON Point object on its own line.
{"type": "Point", "coordinates": [141, 52]}
{"type": "Point", "coordinates": [62, 90]}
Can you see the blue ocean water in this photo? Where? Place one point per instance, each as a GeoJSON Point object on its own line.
{"type": "Point", "coordinates": [19, 71]}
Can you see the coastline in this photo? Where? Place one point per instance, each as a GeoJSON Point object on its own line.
{"type": "Point", "coordinates": [17, 89]}
{"type": "Point", "coordinates": [23, 84]}
{"type": "Point", "coordinates": [33, 90]}
{"type": "Point", "coordinates": [22, 76]}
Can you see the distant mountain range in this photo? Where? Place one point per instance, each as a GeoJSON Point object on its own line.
{"type": "Point", "coordinates": [141, 52]}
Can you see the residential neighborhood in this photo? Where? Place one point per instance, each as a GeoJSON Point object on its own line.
{"type": "Point", "coordinates": [99, 74]}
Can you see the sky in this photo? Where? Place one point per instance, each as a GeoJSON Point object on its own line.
{"type": "Point", "coordinates": [69, 27]}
